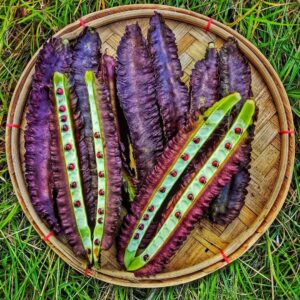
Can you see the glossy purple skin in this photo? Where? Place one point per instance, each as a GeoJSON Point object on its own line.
{"type": "Point", "coordinates": [137, 96]}
{"type": "Point", "coordinates": [190, 219]}
{"type": "Point", "coordinates": [112, 157]}
{"type": "Point", "coordinates": [172, 93]}
{"type": "Point", "coordinates": [86, 56]}
{"type": "Point", "coordinates": [51, 58]}
{"type": "Point", "coordinates": [204, 81]}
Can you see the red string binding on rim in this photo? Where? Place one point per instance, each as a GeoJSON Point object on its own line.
{"type": "Point", "coordinates": [48, 236]}
{"type": "Point", "coordinates": [82, 23]}
{"type": "Point", "coordinates": [289, 131]}
{"type": "Point", "coordinates": [209, 22]}
{"type": "Point", "coordinates": [224, 257]}
{"type": "Point", "coordinates": [87, 272]}
{"type": "Point", "coordinates": [12, 125]}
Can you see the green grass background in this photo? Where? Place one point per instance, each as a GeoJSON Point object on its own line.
{"type": "Point", "coordinates": [30, 270]}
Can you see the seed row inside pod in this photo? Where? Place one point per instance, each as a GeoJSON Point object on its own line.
{"type": "Point", "coordinates": [67, 141]}
{"type": "Point", "coordinates": [100, 163]}
{"type": "Point", "coordinates": [193, 191]}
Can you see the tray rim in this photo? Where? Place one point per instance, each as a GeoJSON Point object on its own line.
{"type": "Point", "coordinates": [288, 142]}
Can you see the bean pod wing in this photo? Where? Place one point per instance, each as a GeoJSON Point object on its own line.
{"type": "Point", "coordinates": [129, 175]}
{"type": "Point", "coordinates": [37, 157]}
{"type": "Point", "coordinates": [136, 92]}
{"type": "Point", "coordinates": [235, 73]}
{"type": "Point", "coordinates": [172, 93]}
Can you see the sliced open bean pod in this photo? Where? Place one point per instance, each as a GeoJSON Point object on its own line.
{"type": "Point", "coordinates": [85, 57]}
{"type": "Point", "coordinates": [66, 171]}
{"type": "Point", "coordinates": [108, 161]}
{"type": "Point", "coordinates": [38, 171]}
{"type": "Point", "coordinates": [202, 187]}
{"type": "Point", "coordinates": [176, 157]}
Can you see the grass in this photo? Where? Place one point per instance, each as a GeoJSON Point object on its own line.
{"type": "Point", "coordinates": [29, 270]}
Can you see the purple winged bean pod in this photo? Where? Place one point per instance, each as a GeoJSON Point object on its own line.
{"type": "Point", "coordinates": [172, 93]}
{"type": "Point", "coordinates": [137, 96]}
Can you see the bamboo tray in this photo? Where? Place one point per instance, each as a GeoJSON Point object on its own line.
{"type": "Point", "coordinates": [272, 156]}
